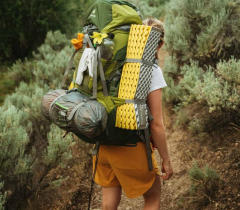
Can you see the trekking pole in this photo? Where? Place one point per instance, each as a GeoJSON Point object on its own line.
{"type": "Point", "coordinates": [94, 173]}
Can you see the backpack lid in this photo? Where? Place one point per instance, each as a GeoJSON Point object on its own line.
{"type": "Point", "coordinates": [107, 15]}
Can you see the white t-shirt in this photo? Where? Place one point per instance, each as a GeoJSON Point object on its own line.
{"type": "Point", "coordinates": [157, 80]}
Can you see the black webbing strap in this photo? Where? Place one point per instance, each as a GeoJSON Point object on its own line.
{"type": "Point", "coordinates": [101, 72]}
{"type": "Point", "coordinates": [148, 148]}
{"type": "Point", "coordinates": [97, 145]}
{"type": "Point", "coordinates": [70, 63]}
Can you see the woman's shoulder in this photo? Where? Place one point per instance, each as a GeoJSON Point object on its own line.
{"type": "Point", "coordinates": [158, 80]}
{"type": "Point", "coordinates": [157, 70]}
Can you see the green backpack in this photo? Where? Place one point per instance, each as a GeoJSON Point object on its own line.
{"type": "Point", "coordinates": [96, 89]}
{"type": "Point", "coordinates": [113, 18]}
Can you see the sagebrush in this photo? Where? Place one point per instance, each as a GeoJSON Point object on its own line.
{"type": "Point", "coordinates": [31, 146]}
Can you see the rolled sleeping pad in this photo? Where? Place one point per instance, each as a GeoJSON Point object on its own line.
{"type": "Point", "coordinates": [48, 99]}
{"type": "Point", "coordinates": [136, 77]}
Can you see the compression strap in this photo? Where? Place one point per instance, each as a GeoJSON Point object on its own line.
{"type": "Point", "coordinates": [70, 64]}
{"type": "Point", "coordinates": [101, 72]}
{"type": "Point", "coordinates": [135, 101]}
{"type": "Point", "coordinates": [135, 60]}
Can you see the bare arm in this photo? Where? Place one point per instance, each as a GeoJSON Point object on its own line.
{"type": "Point", "coordinates": [158, 133]}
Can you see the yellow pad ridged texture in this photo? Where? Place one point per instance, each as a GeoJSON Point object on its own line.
{"type": "Point", "coordinates": [137, 40]}
{"type": "Point", "coordinates": [126, 116]}
{"type": "Point", "coordinates": [136, 77]}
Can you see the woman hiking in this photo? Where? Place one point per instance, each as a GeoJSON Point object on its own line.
{"type": "Point", "coordinates": [126, 168]}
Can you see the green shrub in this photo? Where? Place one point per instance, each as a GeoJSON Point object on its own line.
{"type": "Point", "coordinates": [229, 71]}
{"type": "Point", "coordinates": [20, 71]}
{"type": "Point", "coordinates": [170, 66]}
{"type": "Point", "coordinates": [48, 64]}
{"type": "Point", "coordinates": [27, 155]}
{"type": "Point", "coordinates": [182, 89]}
{"type": "Point", "coordinates": [213, 91]}
{"type": "Point", "coordinates": [31, 147]}
{"type": "Point", "coordinates": [216, 88]}
{"type": "Point", "coordinates": [14, 138]}
{"type": "Point", "coordinates": [5, 85]}
{"type": "Point", "coordinates": [206, 31]}
{"type": "Point", "coordinates": [205, 183]}
{"type": "Point", "coordinates": [55, 184]}
{"type": "Point", "coordinates": [196, 126]}
{"type": "Point", "coordinates": [204, 49]}
{"type": "Point", "coordinates": [192, 75]}
{"type": "Point", "coordinates": [58, 150]}
{"type": "Point", "coordinates": [2, 196]}
{"type": "Point", "coordinates": [204, 187]}
{"type": "Point", "coordinates": [171, 93]}
{"type": "Point", "coordinates": [182, 118]}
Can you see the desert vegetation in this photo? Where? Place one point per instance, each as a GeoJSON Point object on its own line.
{"type": "Point", "coordinates": [201, 70]}
{"type": "Point", "coordinates": [203, 66]}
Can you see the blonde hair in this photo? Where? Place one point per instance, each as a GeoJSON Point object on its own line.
{"type": "Point", "coordinates": [154, 22]}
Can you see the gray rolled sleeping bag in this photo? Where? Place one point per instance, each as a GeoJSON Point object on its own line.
{"type": "Point", "coordinates": [75, 112]}
{"type": "Point", "coordinates": [48, 99]}
{"type": "Point", "coordinates": [91, 118]}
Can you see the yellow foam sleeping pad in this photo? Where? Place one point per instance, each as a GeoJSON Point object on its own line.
{"type": "Point", "coordinates": [126, 116]}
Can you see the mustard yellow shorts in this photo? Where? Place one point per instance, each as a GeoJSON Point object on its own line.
{"type": "Point", "coordinates": [126, 167]}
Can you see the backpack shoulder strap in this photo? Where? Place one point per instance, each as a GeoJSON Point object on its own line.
{"type": "Point", "coordinates": [70, 64]}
